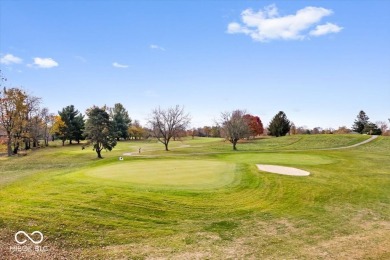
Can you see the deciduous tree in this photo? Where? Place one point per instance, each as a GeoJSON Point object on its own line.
{"type": "Point", "coordinates": [31, 130]}
{"type": "Point", "coordinates": [48, 123]}
{"type": "Point", "coordinates": [136, 130]}
{"type": "Point", "coordinates": [342, 130]}
{"type": "Point", "coordinates": [99, 130]}
{"type": "Point", "coordinates": [215, 131]}
{"type": "Point", "coordinates": [255, 125]}
{"type": "Point", "coordinates": [235, 126]}
{"type": "Point", "coordinates": [165, 122]}
{"type": "Point", "coordinates": [382, 126]}
{"type": "Point", "coordinates": [59, 129]}
{"type": "Point", "coordinates": [13, 109]}
{"type": "Point", "coordinates": [293, 129]}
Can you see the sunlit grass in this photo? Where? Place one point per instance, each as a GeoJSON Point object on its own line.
{"type": "Point", "coordinates": [259, 214]}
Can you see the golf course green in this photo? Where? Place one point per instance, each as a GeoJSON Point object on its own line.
{"type": "Point", "coordinates": [184, 174]}
{"type": "Point", "coordinates": [201, 200]}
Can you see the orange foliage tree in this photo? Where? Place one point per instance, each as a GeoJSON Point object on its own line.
{"type": "Point", "coordinates": [255, 125]}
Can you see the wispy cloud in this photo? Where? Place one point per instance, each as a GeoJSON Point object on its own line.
{"type": "Point", "coordinates": [267, 24]}
{"type": "Point", "coordinates": [156, 47]}
{"type": "Point", "coordinates": [9, 59]}
{"type": "Point", "coordinates": [44, 63]}
{"type": "Point", "coordinates": [325, 29]}
{"type": "Point", "coordinates": [121, 66]}
{"type": "Point", "coordinates": [81, 59]}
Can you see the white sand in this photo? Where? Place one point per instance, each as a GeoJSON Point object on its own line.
{"type": "Point", "coordinates": [282, 170]}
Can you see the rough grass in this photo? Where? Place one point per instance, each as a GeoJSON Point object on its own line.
{"type": "Point", "coordinates": [340, 211]}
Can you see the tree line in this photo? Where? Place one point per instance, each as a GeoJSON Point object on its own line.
{"type": "Point", "coordinates": [26, 124]}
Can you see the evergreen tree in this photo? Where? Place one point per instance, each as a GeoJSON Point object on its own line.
{"type": "Point", "coordinates": [74, 123]}
{"type": "Point", "coordinates": [372, 129]}
{"type": "Point", "coordinates": [79, 126]}
{"type": "Point", "coordinates": [121, 121]}
{"type": "Point", "coordinates": [360, 122]}
{"type": "Point", "coordinates": [279, 125]}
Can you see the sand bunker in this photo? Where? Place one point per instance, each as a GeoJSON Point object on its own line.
{"type": "Point", "coordinates": [282, 170]}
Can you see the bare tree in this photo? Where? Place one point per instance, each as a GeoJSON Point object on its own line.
{"type": "Point", "coordinates": [235, 126]}
{"type": "Point", "coordinates": [382, 126]}
{"type": "Point", "coordinates": [30, 130]}
{"type": "Point", "coordinates": [165, 123]}
{"type": "Point", "coordinates": [47, 124]}
{"type": "Point", "coordinates": [343, 130]}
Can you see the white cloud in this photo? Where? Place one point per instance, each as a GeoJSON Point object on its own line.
{"type": "Point", "coordinates": [10, 59]}
{"type": "Point", "coordinates": [45, 63]}
{"type": "Point", "coordinates": [325, 29]}
{"type": "Point", "coordinates": [156, 47]}
{"type": "Point", "coordinates": [121, 66]}
{"type": "Point", "coordinates": [267, 24]}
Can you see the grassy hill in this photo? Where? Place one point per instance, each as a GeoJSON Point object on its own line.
{"type": "Point", "coordinates": [202, 200]}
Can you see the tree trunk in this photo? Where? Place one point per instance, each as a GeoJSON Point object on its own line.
{"type": "Point", "coordinates": [9, 143]}
{"type": "Point", "coordinates": [27, 144]}
{"type": "Point", "coordinates": [166, 146]}
{"type": "Point", "coordinates": [234, 145]}
{"type": "Point", "coordinates": [63, 142]}
{"type": "Point", "coordinates": [99, 154]}
{"type": "Point", "coordinates": [15, 151]}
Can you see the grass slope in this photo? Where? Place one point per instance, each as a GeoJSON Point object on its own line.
{"type": "Point", "coordinates": [340, 211]}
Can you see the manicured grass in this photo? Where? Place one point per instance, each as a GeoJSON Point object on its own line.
{"type": "Point", "coordinates": [182, 206]}
{"type": "Point", "coordinates": [175, 174]}
{"type": "Point", "coordinates": [304, 142]}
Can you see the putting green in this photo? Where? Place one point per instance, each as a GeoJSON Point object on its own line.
{"type": "Point", "coordinates": [182, 174]}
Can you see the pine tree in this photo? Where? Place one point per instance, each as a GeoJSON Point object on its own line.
{"type": "Point", "coordinates": [279, 125]}
{"type": "Point", "coordinates": [74, 123]}
{"type": "Point", "coordinates": [360, 122]}
{"type": "Point", "coordinates": [121, 121]}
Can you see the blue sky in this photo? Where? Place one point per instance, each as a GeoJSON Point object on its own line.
{"type": "Point", "coordinates": [320, 62]}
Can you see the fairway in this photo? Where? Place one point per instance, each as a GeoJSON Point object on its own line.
{"type": "Point", "coordinates": [201, 200]}
{"type": "Point", "coordinates": [184, 174]}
